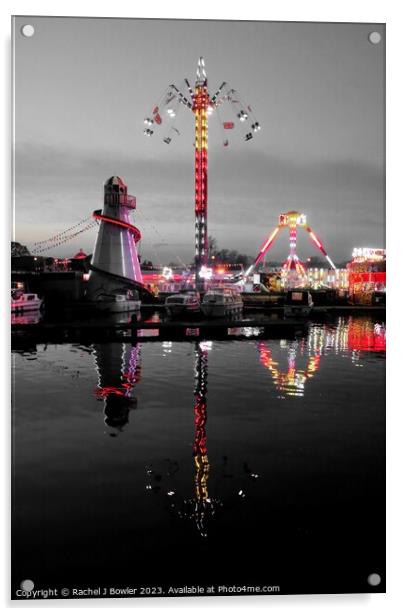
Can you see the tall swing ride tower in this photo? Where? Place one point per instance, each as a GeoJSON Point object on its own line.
{"type": "Point", "coordinates": [199, 101]}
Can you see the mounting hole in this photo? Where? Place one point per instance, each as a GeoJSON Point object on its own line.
{"type": "Point", "coordinates": [28, 30]}
{"type": "Point", "coordinates": [27, 585]}
{"type": "Point", "coordinates": [374, 579]}
{"type": "Point", "coordinates": [374, 37]}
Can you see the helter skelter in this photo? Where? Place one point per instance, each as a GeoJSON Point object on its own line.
{"type": "Point", "coordinates": [202, 105]}
{"type": "Point", "coordinates": [292, 221]}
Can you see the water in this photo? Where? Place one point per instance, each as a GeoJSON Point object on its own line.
{"type": "Point", "coordinates": [218, 463]}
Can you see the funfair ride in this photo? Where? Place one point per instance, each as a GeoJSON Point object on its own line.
{"type": "Point", "coordinates": [115, 272]}
{"type": "Point", "coordinates": [199, 101]}
{"type": "Point", "coordinates": [291, 221]}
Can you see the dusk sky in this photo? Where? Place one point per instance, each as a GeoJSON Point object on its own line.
{"type": "Point", "coordinates": [84, 86]}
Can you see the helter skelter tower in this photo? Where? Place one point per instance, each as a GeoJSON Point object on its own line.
{"type": "Point", "coordinates": [291, 221]}
{"type": "Point", "coordinates": [115, 266]}
{"type": "Point", "coordinates": [202, 105]}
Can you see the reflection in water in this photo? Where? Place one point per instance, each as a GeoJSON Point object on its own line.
{"type": "Point", "coordinates": [201, 507]}
{"type": "Point", "coordinates": [292, 381]}
{"type": "Point", "coordinates": [118, 368]}
{"type": "Point", "coordinates": [351, 334]}
{"type": "Point", "coordinates": [27, 318]}
{"type": "Point", "coordinates": [254, 473]}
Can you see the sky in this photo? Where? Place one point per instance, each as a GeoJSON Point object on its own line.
{"type": "Point", "coordinates": [84, 86]}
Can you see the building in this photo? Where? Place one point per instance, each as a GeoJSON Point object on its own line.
{"type": "Point", "coordinates": [367, 275]}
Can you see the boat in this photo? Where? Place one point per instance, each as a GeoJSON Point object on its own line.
{"type": "Point", "coordinates": [298, 303]}
{"type": "Point", "coordinates": [23, 302]}
{"type": "Point", "coordinates": [222, 302]}
{"type": "Point", "coordinates": [185, 303]}
{"type": "Point", "coordinates": [118, 302]}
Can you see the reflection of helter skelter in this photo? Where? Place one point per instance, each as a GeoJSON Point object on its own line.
{"type": "Point", "coordinates": [119, 370]}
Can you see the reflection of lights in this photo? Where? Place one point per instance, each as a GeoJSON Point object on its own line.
{"type": "Point", "coordinates": [352, 334]}
{"type": "Point", "coordinates": [167, 348]}
{"type": "Point", "coordinates": [251, 331]}
{"type": "Point", "coordinates": [292, 381]}
{"type": "Point", "coordinates": [206, 345]}
{"type": "Point", "coordinates": [363, 335]}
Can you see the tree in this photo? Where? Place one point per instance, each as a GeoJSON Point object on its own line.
{"type": "Point", "coordinates": [212, 246]}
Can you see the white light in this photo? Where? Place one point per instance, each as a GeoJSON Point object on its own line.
{"type": "Point", "coordinates": [206, 272]}
{"type": "Point", "coordinates": [210, 110]}
{"type": "Point", "coordinates": [167, 273]}
{"type": "Point", "coordinates": [206, 345]}
{"type": "Point", "coordinates": [332, 264]}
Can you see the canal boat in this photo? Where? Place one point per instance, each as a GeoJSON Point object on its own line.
{"type": "Point", "coordinates": [298, 303]}
{"type": "Point", "coordinates": [118, 302]}
{"type": "Point", "coordinates": [24, 302]}
{"type": "Point", "coordinates": [184, 304]}
{"type": "Point", "coordinates": [222, 302]}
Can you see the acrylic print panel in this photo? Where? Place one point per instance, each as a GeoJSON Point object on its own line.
{"type": "Point", "coordinates": [198, 370]}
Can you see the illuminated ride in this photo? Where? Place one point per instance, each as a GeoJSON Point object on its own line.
{"type": "Point", "coordinates": [199, 101]}
{"type": "Point", "coordinates": [291, 221]}
{"type": "Point", "coordinates": [115, 272]}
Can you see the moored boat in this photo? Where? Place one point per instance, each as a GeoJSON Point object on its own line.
{"type": "Point", "coordinates": [118, 302]}
{"type": "Point", "coordinates": [222, 302]}
{"type": "Point", "coordinates": [24, 302]}
{"type": "Point", "coordinates": [186, 303]}
{"type": "Point", "coordinates": [298, 303]}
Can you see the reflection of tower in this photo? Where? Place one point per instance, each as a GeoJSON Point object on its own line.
{"type": "Point", "coordinates": [200, 437]}
{"type": "Point", "coordinates": [201, 508]}
{"type": "Point", "coordinates": [118, 370]}
{"type": "Point", "coordinates": [114, 265]}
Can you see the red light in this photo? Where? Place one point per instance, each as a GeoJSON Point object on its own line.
{"type": "Point", "coordinates": [120, 223]}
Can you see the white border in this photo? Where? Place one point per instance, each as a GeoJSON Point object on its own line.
{"type": "Point", "coordinates": [285, 10]}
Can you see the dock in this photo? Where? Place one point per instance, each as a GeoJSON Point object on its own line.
{"type": "Point", "coordinates": [149, 331]}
